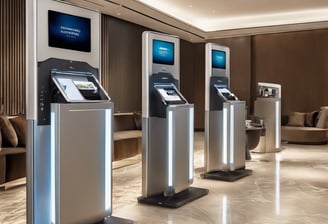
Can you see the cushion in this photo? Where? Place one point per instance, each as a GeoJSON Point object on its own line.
{"type": "Point", "coordinates": [19, 124]}
{"type": "Point", "coordinates": [137, 120]}
{"type": "Point", "coordinates": [296, 119]}
{"type": "Point", "coordinates": [8, 132]}
{"type": "Point", "coordinates": [323, 119]}
{"type": "Point", "coordinates": [310, 119]}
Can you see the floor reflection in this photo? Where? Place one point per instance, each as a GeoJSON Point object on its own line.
{"type": "Point", "coordinates": [287, 187]}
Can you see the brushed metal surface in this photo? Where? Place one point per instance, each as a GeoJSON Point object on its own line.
{"type": "Point", "coordinates": [265, 108]}
{"type": "Point", "coordinates": [80, 161]}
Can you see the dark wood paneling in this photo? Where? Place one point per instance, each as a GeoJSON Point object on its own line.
{"type": "Point", "coordinates": [122, 63]}
{"type": "Point", "coordinates": [297, 61]}
{"type": "Point", "coordinates": [12, 56]}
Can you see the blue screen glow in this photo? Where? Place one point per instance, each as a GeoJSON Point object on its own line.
{"type": "Point", "coordinates": [218, 59]}
{"type": "Point", "coordinates": [163, 52]}
{"type": "Point", "coordinates": [69, 32]}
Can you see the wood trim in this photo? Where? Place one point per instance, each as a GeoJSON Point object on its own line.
{"type": "Point", "coordinates": [12, 56]}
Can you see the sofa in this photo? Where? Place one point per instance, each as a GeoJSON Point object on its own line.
{"type": "Point", "coordinates": [305, 128]}
{"type": "Point", "coordinates": [12, 148]}
{"type": "Point", "coordinates": [127, 135]}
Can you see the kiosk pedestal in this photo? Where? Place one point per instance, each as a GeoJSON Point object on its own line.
{"type": "Point", "coordinates": [268, 107]}
{"type": "Point", "coordinates": [167, 127]}
{"type": "Point", "coordinates": [225, 136]}
{"type": "Point", "coordinates": [226, 143]}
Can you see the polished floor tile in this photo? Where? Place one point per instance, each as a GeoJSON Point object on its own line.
{"type": "Point", "coordinates": [285, 188]}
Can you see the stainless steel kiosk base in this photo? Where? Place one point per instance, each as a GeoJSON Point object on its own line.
{"type": "Point", "coordinates": [115, 220]}
{"type": "Point", "coordinates": [175, 201]}
{"type": "Point", "coordinates": [227, 175]}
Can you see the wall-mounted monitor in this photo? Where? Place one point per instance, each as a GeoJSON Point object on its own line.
{"type": "Point", "coordinates": [218, 59]}
{"type": "Point", "coordinates": [163, 52]}
{"type": "Point", "coordinates": [69, 31]}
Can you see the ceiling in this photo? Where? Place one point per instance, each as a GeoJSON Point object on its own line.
{"type": "Point", "coordinates": [200, 20]}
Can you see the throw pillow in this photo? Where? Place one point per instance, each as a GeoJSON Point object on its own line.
{"type": "Point", "coordinates": [310, 118]}
{"type": "Point", "coordinates": [19, 124]}
{"type": "Point", "coordinates": [137, 120]}
{"type": "Point", "coordinates": [323, 119]}
{"type": "Point", "coordinates": [8, 131]}
{"type": "Point", "coordinates": [296, 119]}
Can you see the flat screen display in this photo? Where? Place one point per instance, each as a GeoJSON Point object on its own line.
{"type": "Point", "coordinates": [69, 31]}
{"type": "Point", "coordinates": [218, 59]}
{"type": "Point", "coordinates": [163, 52]}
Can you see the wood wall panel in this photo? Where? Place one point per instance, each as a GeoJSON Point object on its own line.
{"type": "Point", "coordinates": [297, 61]}
{"type": "Point", "coordinates": [12, 56]}
{"type": "Point", "coordinates": [122, 63]}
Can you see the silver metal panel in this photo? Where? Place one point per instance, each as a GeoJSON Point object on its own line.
{"type": "Point", "coordinates": [155, 152]}
{"type": "Point", "coordinates": [226, 138]}
{"type": "Point", "coordinates": [215, 153]}
{"type": "Point", "coordinates": [156, 156]}
{"type": "Point", "coordinates": [237, 135]}
{"type": "Point", "coordinates": [38, 173]}
{"type": "Point", "coordinates": [269, 110]}
{"type": "Point", "coordinates": [31, 60]}
{"type": "Point", "coordinates": [80, 161]}
{"type": "Point", "coordinates": [181, 145]}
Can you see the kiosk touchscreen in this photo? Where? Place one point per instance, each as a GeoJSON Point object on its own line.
{"type": "Point", "coordinates": [167, 127]}
{"type": "Point", "coordinates": [69, 117]}
{"type": "Point", "coordinates": [225, 136]}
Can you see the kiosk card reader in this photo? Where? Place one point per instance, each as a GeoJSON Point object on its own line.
{"type": "Point", "coordinates": [225, 136]}
{"type": "Point", "coordinates": [69, 117]}
{"type": "Point", "coordinates": [267, 106]}
{"type": "Point", "coordinates": [167, 127]}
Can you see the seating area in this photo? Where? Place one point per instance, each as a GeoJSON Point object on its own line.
{"type": "Point", "coordinates": [306, 128]}
{"type": "Point", "coordinates": [12, 148]}
{"type": "Point", "coordinates": [127, 135]}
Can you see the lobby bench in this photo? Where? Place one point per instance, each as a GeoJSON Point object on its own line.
{"type": "Point", "coordinates": [127, 135]}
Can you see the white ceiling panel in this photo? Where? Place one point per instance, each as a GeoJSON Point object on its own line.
{"type": "Point", "coordinates": [199, 20]}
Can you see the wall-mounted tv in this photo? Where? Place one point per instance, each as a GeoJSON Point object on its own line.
{"type": "Point", "coordinates": [163, 52]}
{"type": "Point", "coordinates": [69, 31]}
{"type": "Point", "coordinates": [218, 59]}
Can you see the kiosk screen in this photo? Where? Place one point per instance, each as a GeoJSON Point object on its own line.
{"type": "Point", "coordinates": [218, 59]}
{"type": "Point", "coordinates": [77, 87]}
{"type": "Point", "coordinates": [170, 94]}
{"type": "Point", "coordinates": [69, 31]}
{"type": "Point", "coordinates": [163, 52]}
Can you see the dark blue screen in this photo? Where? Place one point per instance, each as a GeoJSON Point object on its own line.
{"type": "Point", "coordinates": [69, 32]}
{"type": "Point", "coordinates": [163, 52]}
{"type": "Point", "coordinates": [218, 59]}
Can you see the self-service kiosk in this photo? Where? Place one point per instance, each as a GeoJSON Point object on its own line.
{"type": "Point", "coordinates": [167, 127]}
{"type": "Point", "coordinates": [225, 136]}
{"type": "Point", "coordinates": [267, 106]}
{"type": "Point", "coordinates": [69, 117]}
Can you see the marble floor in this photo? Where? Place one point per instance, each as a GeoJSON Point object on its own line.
{"type": "Point", "coordinates": [287, 187]}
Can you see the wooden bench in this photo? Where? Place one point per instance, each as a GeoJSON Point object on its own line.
{"type": "Point", "coordinates": [127, 135]}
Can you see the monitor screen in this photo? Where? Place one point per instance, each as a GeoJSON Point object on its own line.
{"type": "Point", "coordinates": [163, 52]}
{"type": "Point", "coordinates": [69, 31]}
{"type": "Point", "coordinates": [218, 59]}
